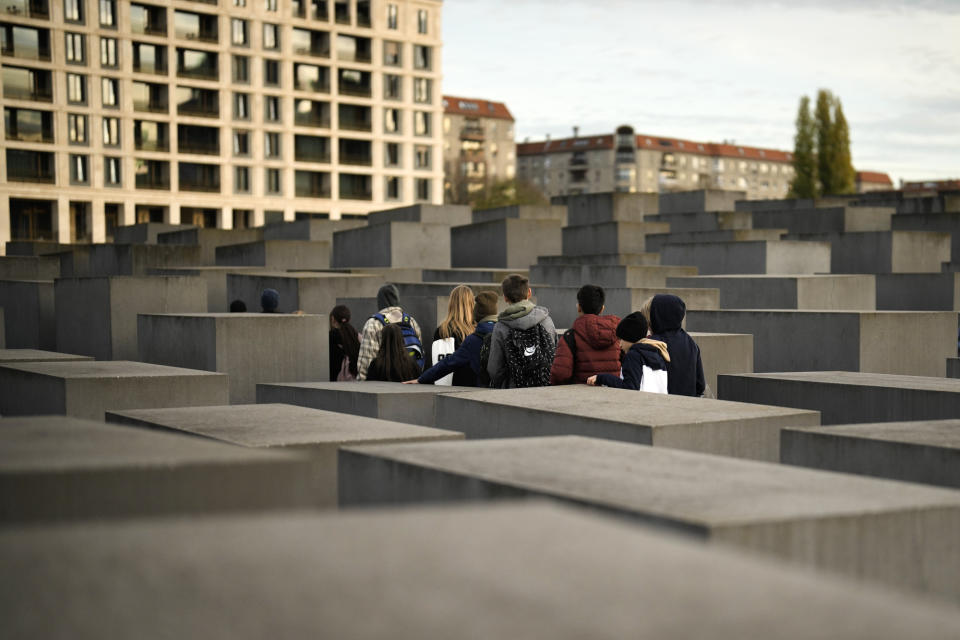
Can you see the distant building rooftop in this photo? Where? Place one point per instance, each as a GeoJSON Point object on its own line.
{"type": "Point", "coordinates": [874, 177]}
{"type": "Point", "coordinates": [476, 107]}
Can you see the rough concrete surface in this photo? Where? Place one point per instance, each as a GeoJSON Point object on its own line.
{"type": "Point", "coordinates": [35, 355]}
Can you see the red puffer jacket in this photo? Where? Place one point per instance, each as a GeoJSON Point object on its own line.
{"type": "Point", "coordinates": [598, 350]}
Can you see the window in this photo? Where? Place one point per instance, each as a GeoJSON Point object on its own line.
{"type": "Point", "coordinates": [150, 97]}
{"type": "Point", "coordinates": [198, 139]}
{"type": "Point", "coordinates": [392, 17]}
{"type": "Point", "coordinates": [198, 102]}
{"type": "Point", "coordinates": [241, 179]}
{"type": "Point", "coordinates": [421, 157]}
{"type": "Point", "coordinates": [148, 19]}
{"type": "Point", "coordinates": [77, 128]}
{"type": "Point", "coordinates": [24, 42]}
{"type": "Point", "coordinates": [319, 10]}
{"type": "Point", "coordinates": [270, 5]}
{"type": "Point", "coordinates": [75, 48]}
{"type": "Point", "coordinates": [271, 144]}
{"type": "Point", "coordinates": [313, 43]}
{"type": "Point", "coordinates": [79, 169]}
{"type": "Point", "coordinates": [423, 189]}
{"type": "Point", "coordinates": [150, 136]}
{"type": "Point", "coordinates": [192, 63]}
{"type": "Point", "coordinates": [421, 123]}
{"type": "Point", "coordinates": [241, 69]}
{"type": "Point", "coordinates": [28, 125]}
{"type": "Point", "coordinates": [391, 120]}
{"type": "Point", "coordinates": [353, 49]}
{"type": "Point", "coordinates": [363, 13]}
{"type": "Point", "coordinates": [341, 11]}
{"type": "Point", "coordinates": [239, 3]}
{"type": "Point", "coordinates": [73, 10]}
{"type": "Point", "coordinates": [421, 21]}
{"type": "Point", "coordinates": [312, 184]}
{"type": "Point", "coordinates": [199, 177]}
{"type": "Point", "coordinates": [272, 181]}
{"type": "Point", "coordinates": [271, 36]}
{"type": "Point", "coordinates": [108, 52]}
{"type": "Point", "coordinates": [149, 58]}
{"type": "Point", "coordinates": [354, 117]}
{"type": "Point", "coordinates": [422, 90]}
{"type": "Point", "coordinates": [311, 113]}
{"type": "Point", "coordinates": [309, 77]}
{"type": "Point", "coordinates": [152, 174]}
{"type": "Point", "coordinates": [111, 132]}
{"type": "Point", "coordinates": [392, 188]}
{"type": "Point", "coordinates": [271, 73]}
{"type": "Point", "coordinates": [271, 112]}
{"type": "Point", "coordinates": [241, 106]}
{"type": "Point", "coordinates": [311, 148]}
{"type": "Point", "coordinates": [421, 56]}
{"type": "Point", "coordinates": [392, 53]}
{"type": "Point", "coordinates": [76, 88]}
{"type": "Point", "coordinates": [392, 87]}
{"type": "Point", "coordinates": [356, 186]}
{"type": "Point", "coordinates": [111, 172]}
{"type": "Point", "coordinates": [239, 32]}
{"type": "Point", "coordinates": [195, 26]}
{"type": "Point", "coordinates": [356, 152]}
{"type": "Point", "coordinates": [26, 84]}
{"type": "Point", "coordinates": [109, 92]}
{"type": "Point", "coordinates": [30, 166]}
{"type": "Point", "coordinates": [354, 82]}
{"type": "Point", "coordinates": [108, 13]}
{"type": "Point", "coordinates": [241, 142]}
{"type": "Point", "coordinates": [391, 154]}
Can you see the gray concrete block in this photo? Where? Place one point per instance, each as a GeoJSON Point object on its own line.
{"type": "Point", "coordinates": [948, 222]}
{"type": "Point", "coordinates": [826, 219]}
{"type": "Point", "coordinates": [905, 342]}
{"type": "Point", "coordinates": [620, 301]}
{"type": "Point", "coordinates": [284, 427]}
{"type": "Point", "coordinates": [630, 259]}
{"type": "Point", "coordinates": [531, 571]}
{"type": "Point", "coordinates": [522, 212]}
{"type": "Point", "coordinates": [409, 403]}
{"type": "Point", "coordinates": [98, 316]}
{"type": "Point", "coordinates": [35, 247]}
{"type": "Point", "coordinates": [884, 251]}
{"type": "Point", "coordinates": [724, 353]}
{"type": "Point", "coordinates": [846, 397]}
{"type": "Point", "coordinates": [699, 200]}
{"type": "Point", "coordinates": [953, 367]}
{"type": "Point", "coordinates": [310, 229]}
{"type": "Point", "coordinates": [458, 276]}
{"type": "Point", "coordinates": [918, 291]}
{"type": "Point", "coordinates": [576, 275]}
{"type": "Point", "coordinates": [88, 389]}
{"type": "Point", "coordinates": [895, 533]}
{"type": "Point", "coordinates": [145, 232]}
{"type": "Point", "coordinates": [679, 422]}
{"type": "Point", "coordinates": [925, 452]}
{"type": "Point", "coordinates": [446, 214]}
{"type": "Point", "coordinates": [3, 331]}
{"type": "Point", "coordinates": [248, 347]}
{"type": "Point", "coordinates": [705, 221]}
{"type": "Point", "coordinates": [57, 469]}
{"type": "Point", "coordinates": [609, 237]}
{"type": "Point", "coordinates": [309, 292]}
{"type": "Point", "coordinates": [595, 208]}
{"type": "Point", "coordinates": [393, 244]}
{"type": "Point", "coordinates": [657, 241]}
{"type": "Point", "coordinates": [504, 243]}
{"type": "Point", "coordinates": [30, 318]}
{"type": "Point", "coordinates": [209, 239]}
{"type": "Point", "coordinates": [790, 204]}
{"type": "Point", "coordinates": [29, 267]}
{"type": "Point", "coordinates": [275, 254]}
{"type": "Point", "coordinates": [75, 262]}
{"type": "Point", "coordinates": [777, 257]}
{"type": "Point", "coordinates": [808, 291]}
{"type": "Point", "coordinates": [34, 355]}
{"type": "Point", "coordinates": [216, 279]}
{"type": "Point", "coordinates": [138, 259]}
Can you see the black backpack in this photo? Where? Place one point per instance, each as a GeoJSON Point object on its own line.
{"type": "Point", "coordinates": [529, 355]}
{"type": "Point", "coordinates": [483, 378]}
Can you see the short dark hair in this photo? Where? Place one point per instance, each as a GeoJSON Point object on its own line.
{"type": "Point", "coordinates": [591, 298]}
{"type": "Point", "coordinates": [515, 287]}
{"type": "Point", "coordinates": [633, 327]}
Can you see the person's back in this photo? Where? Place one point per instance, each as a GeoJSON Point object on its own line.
{"type": "Point", "coordinates": [590, 346]}
{"type": "Point", "coordinates": [523, 341]}
{"type": "Point", "coordinates": [390, 313]}
{"type": "Point", "coordinates": [685, 368]}
{"type": "Point", "coordinates": [392, 363]}
{"type": "Point", "coordinates": [449, 336]}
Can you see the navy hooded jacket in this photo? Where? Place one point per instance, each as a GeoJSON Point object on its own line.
{"type": "Point", "coordinates": [685, 369]}
{"type": "Point", "coordinates": [467, 356]}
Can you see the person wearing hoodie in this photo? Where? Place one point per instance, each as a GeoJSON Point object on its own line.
{"type": "Point", "coordinates": [523, 341]}
{"type": "Point", "coordinates": [464, 363]}
{"type": "Point", "coordinates": [594, 347]}
{"type": "Point", "coordinates": [388, 301]}
{"type": "Point", "coordinates": [645, 361]}
{"type": "Point", "coordinates": [685, 369]}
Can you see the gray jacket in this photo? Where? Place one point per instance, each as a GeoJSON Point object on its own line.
{"type": "Point", "coordinates": [521, 315]}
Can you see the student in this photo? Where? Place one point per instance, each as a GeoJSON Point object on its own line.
{"type": "Point", "coordinates": [465, 361]}
{"type": "Point", "coordinates": [388, 301]}
{"type": "Point", "coordinates": [590, 346]}
{"type": "Point", "coordinates": [523, 341]}
{"type": "Point", "coordinates": [451, 333]}
{"type": "Point", "coordinates": [238, 306]}
{"type": "Point", "coordinates": [344, 345]}
{"type": "Point", "coordinates": [644, 360]}
{"type": "Point", "coordinates": [393, 363]}
{"type": "Point", "coordinates": [269, 301]}
{"type": "Point", "coordinates": [685, 369]}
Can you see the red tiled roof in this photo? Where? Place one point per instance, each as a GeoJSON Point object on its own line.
{"type": "Point", "coordinates": [930, 185]}
{"type": "Point", "coordinates": [874, 176]}
{"type": "Point", "coordinates": [476, 107]}
{"type": "Point", "coordinates": [591, 143]}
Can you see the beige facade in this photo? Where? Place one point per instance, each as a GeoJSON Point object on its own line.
{"type": "Point", "coordinates": [224, 113]}
{"type": "Point", "coordinates": [478, 146]}
{"type": "Point", "coordinates": [631, 162]}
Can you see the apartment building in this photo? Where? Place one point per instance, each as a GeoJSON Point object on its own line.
{"type": "Point", "coordinates": [478, 146]}
{"type": "Point", "coordinates": [868, 181]}
{"type": "Point", "coordinates": [224, 113]}
{"type": "Point", "coordinates": [631, 162]}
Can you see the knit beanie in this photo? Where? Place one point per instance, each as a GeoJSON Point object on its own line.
{"type": "Point", "coordinates": [269, 300]}
{"type": "Point", "coordinates": [388, 296]}
{"type": "Point", "coordinates": [485, 305]}
{"type": "Point", "coordinates": [633, 328]}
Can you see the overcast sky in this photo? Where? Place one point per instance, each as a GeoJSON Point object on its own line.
{"type": "Point", "coordinates": [727, 69]}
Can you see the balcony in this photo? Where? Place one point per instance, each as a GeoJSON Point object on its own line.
{"type": "Point", "coordinates": [355, 152]}
{"type": "Point", "coordinates": [310, 113]}
{"type": "Point", "coordinates": [354, 117]}
{"type": "Point", "coordinates": [354, 83]}
{"type": "Point", "coordinates": [309, 77]}
{"type": "Point", "coordinates": [195, 26]}
{"type": "Point", "coordinates": [27, 84]}
{"type": "Point", "coordinates": [30, 166]}
{"type": "Point", "coordinates": [150, 97]}
{"type": "Point", "coordinates": [150, 136]}
{"type": "Point", "coordinates": [356, 187]}
{"type": "Point", "coordinates": [474, 133]}
{"type": "Point", "coordinates": [28, 125]}
{"type": "Point", "coordinates": [311, 148]}
{"type": "Point", "coordinates": [197, 139]}
{"type": "Point", "coordinates": [25, 8]}
{"type": "Point", "coordinates": [198, 102]}
{"type": "Point", "coordinates": [311, 43]}
{"type": "Point", "coordinates": [578, 159]}
{"type": "Point", "coordinates": [197, 64]}
{"type": "Point", "coordinates": [311, 184]}
{"type": "Point", "coordinates": [148, 20]}
{"type": "Point", "coordinates": [25, 43]}
{"type": "Point", "coordinates": [199, 177]}
{"type": "Point", "coordinates": [578, 176]}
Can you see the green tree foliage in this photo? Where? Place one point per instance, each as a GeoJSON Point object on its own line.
{"type": "Point", "coordinates": [844, 177]}
{"type": "Point", "coordinates": [804, 183]}
{"type": "Point", "coordinates": [826, 154]}
{"type": "Point", "coordinates": [505, 193]}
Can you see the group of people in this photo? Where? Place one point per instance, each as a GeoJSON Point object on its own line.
{"type": "Point", "coordinates": [475, 345]}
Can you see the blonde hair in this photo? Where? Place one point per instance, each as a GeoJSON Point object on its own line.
{"type": "Point", "coordinates": [645, 310]}
{"type": "Point", "coordinates": [459, 321]}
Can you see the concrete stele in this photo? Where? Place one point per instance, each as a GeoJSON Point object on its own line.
{"type": "Point", "coordinates": [34, 355]}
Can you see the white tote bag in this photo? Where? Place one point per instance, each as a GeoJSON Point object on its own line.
{"type": "Point", "coordinates": [443, 347]}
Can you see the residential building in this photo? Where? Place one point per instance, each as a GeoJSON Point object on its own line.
{"type": "Point", "coordinates": [873, 181]}
{"type": "Point", "coordinates": [478, 146]}
{"type": "Point", "coordinates": [631, 162]}
{"type": "Point", "coordinates": [224, 113]}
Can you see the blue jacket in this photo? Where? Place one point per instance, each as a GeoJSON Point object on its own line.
{"type": "Point", "coordinates": [467, 355]}
{"type": "Point", "coordinates": [632, 367]}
